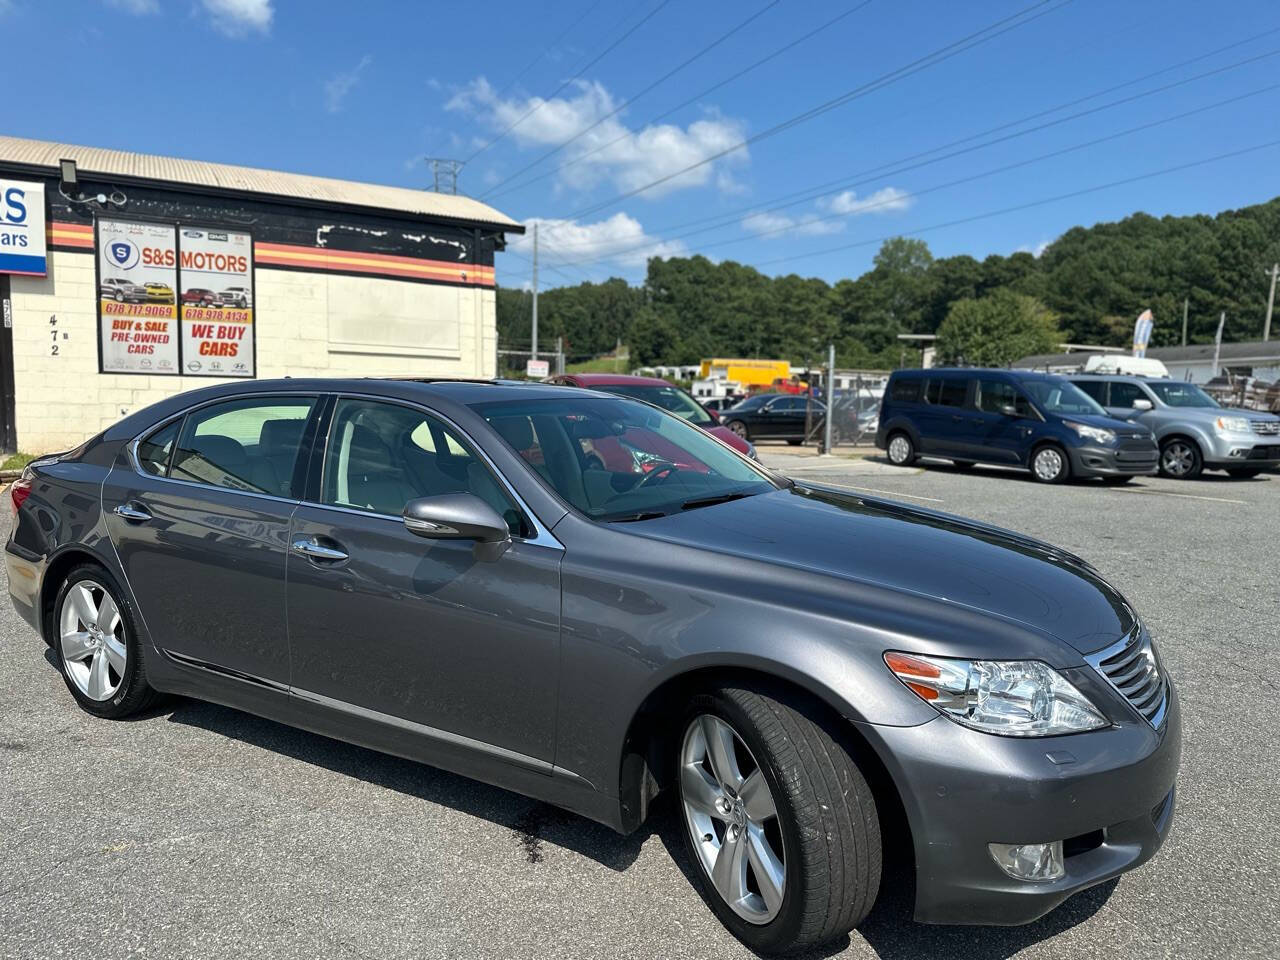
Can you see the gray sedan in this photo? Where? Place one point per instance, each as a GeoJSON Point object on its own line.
{"type": "Point", "coordinates": [587, 600]}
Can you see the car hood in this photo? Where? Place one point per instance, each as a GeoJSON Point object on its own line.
{"type": "Point", "coordinates": [914, 551]}
{"type": "Point", "coordinates": [1123, 427]}
{"type": "Point", "coordinates": [725, 435]}
{"type": "Point", "coordinates": [1210, 414]}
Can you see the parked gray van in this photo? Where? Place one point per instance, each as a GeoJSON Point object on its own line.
{"type": "Point", "coordinates": [1195, 433]}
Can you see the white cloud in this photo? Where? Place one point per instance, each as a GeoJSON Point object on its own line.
{"type": "Point", "coordinates": [236, 18]}
{"type": "Point", "coordinates": [338, 86]}
{"type": "Point", "coordinates": [611, 151]}
{"type": "Point", "coordinates": [620, 238]}
{"type": "Point", "coordinates": [831, 215]}
{"type": "Point", "coordinates": [136, 7]}
{"type": "Point", "coordinates": [808, 225]}
{"type": "Point", "coordinates": [885, 200]}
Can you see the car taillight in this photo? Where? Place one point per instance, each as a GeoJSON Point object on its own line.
{"type": "Point", "coordinates": [19, 490]}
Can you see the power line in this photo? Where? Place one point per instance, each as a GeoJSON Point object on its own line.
{"type": "Point", "coordinates": [548, 48]}
{"type": "Point", "coordinates": [605, 52]}
{"type": "Point", "coordinates": [625, 103]}
{"type": "Point", "coordinates": [987, 33]}
{"type": "Point", "coordinates": [896, 167]}
{"type": "Point", "coordinates": [694, 99]}
{"type": "Point", "coordinates": [824, 189]}
{"type": "Point", "coordinates": [1029, 205]}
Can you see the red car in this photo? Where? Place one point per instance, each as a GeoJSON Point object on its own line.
{"type": "Point", "coordinates": [662, 394]}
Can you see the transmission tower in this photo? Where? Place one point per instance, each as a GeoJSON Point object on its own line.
{"type": "Point", "coordinates": [444, 174]}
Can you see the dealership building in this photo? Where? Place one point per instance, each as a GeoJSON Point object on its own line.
{"type": "Point", "coordinates": [126, 278]}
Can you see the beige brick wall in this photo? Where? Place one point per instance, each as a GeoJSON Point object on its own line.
{"type": "Point", "coordinates": [61, 399]}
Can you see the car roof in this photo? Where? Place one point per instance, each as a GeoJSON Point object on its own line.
{"type": "Point", "coordinates": [977, 372]}
{"type": "Point", "coordinates": [616, 380]}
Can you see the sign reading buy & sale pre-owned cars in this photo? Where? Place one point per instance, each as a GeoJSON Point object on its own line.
{"type": "Point", "coordinates": [137, 303]}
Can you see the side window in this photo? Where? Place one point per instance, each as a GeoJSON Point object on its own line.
{"type": "Point", "coordinates": [1094, 388]}
{"type": "Point", "coordinates": [1124, 393]}
{"type": "Point", "coordinates": [949, 393]}
{"type": "Point", "coordinates": [249, 444]}
{"type": "Point", "coordinates": [905, 391]}
{"type": "Point", "coordinates": [994, 395]}
{"type": "Point", "coordinates": [382, 455]}
{"type": "Point", "coordinates": [154, 451]}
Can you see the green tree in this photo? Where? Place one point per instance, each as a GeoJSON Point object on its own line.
{"type": "Point", "coordinates": [996, 330]}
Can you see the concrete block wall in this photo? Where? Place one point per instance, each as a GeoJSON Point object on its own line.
{"type": "Point", "coordinates": [61, 399]}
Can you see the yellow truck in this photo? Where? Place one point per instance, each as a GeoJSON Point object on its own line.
{"type": "Point", "coordinates": [747, 373]}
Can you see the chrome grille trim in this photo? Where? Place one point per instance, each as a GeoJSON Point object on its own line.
{"type": "Point", "coordinates": [1131, 667]}
{"type": "Point", "coordinates": [1267, 428]}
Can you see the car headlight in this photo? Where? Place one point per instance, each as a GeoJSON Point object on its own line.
{"type": "Point", "coordinates": [1232, 425]}
{"type": "Point", "coordinates": [1013, 698]}
{"type": "Point", "coordinates": [1097, 434]}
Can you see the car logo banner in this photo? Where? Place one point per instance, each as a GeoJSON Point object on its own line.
{"type": "Point", "coordinates": [137, 299]}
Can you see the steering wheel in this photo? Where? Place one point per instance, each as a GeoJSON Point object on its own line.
{"type": "Point", "coordinates": [663, 469]}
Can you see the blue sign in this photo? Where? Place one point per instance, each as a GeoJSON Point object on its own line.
{"type": "Point", "coordinates": [22, 239]}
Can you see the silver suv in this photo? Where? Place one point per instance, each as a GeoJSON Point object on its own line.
{"type": "Point", "coordinates": [1193, 431]}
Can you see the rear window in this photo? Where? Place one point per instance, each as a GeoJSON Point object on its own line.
{"type": "Point", "coordinates": [1094, 388]}
{"type": "Point", "coordinates": [948, 393]}
{"type": "Point", "coordinates": [905, 391]}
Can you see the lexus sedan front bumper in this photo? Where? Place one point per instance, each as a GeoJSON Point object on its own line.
{"type": "Point", "coordinates": [1108, 795]}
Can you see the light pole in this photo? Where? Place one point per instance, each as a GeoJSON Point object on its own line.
{"type": "Point", "coordinates": [1271, 301]}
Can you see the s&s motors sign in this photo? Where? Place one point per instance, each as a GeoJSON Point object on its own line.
{"type": "Point", "coordinates": [22, 242]}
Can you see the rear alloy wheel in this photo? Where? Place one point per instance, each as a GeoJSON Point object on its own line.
{"type": "Point", "coordinates": [740, 428]}
{"type": "Point", "coordinates": [779, 819]}
{"type": "Point", "coordinates": [97, 645]}
{"type": "Point", "coordinates": [1180, 460]}
{"type": "Point", "coordinates": [902, 452]}
{"type": "Point", "coordinates": [1049, 464]}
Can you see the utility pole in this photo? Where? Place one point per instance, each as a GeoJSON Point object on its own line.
{"type": "Point", "coordinates": [534, 331]}
{"type": "Point", "coordinates": [1271, 302]}
{"type": "Point", "coordinates": [1185, 302]}
{"type": "Point", "coordinates": [831, 397]}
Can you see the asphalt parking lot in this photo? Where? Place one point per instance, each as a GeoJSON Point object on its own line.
{"type": "Point", "coordinates": [200, 831]}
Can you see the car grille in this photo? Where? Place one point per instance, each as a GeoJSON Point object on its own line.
{"type": "Point", "coordinates": [1268, 428]}
{"type": "Point", "coordinates": [1132, 668]}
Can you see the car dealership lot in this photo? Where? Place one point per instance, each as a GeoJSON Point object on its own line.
{"type": "Point", "coordinates": [201, 831]}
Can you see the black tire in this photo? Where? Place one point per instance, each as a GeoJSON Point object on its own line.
{"type": "Point", "coordinates": [1044, 456]}
{"type": "Point", "coordinates": [896, 457]}
{"type": "Point", "coordinates": [826, 818]}
{"type": "Point", "coordinates": [740, 428]}
{"type": "Point", "coordinates": [962, 464]}
{"type": "Point", "coordinates": [1180, 459]}
{"type": "Point", "coordinates": [134, 693]}
{"type": "Point", "coordinates": [1244, 473]}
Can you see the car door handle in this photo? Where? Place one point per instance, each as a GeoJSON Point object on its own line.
{"type": "Point", "coordinates": [311, 548]}
{"type": "Point", "coordinates": [132, 513]}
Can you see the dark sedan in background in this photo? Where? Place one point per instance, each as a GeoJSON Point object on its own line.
{"type": "Point", "coordinates": [438, 570]}
{"type": "Point", "coordinates": [774, 416]}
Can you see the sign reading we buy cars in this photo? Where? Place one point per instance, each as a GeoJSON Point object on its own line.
{"type": "Point", "coordinates": [217, 303]}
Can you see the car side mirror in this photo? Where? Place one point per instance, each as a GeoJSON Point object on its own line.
{"type": "Point", "coordinates": [455, 516]}
{"type": "Point", "coordinates": [1009, 410]}
{"type": "Point", "coordinates": [1142, 405]}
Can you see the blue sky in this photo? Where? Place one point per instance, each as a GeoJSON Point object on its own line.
{"type": "Point", "coordinates": [364, 91]}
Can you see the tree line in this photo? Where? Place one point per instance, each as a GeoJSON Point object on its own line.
{"type": "Point", "coordinates": [1085, 287]}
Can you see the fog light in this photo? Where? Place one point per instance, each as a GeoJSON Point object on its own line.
{"type": "Point", "coordinates": [1035, 862]}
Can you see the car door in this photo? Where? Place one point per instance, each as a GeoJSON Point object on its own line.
{"type": "Point", "coordinates": [1000, 436]}
{"type": "Point", "coordinates": [408, 630]}
{"type": "Point", "coordinates": [200, 522]}
{"type": "Point", "coordinates": [942, 419]}
{"type": "Point", "coordinates": [786, 417]}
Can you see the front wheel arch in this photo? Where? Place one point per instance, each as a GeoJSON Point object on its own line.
{"type": "Point", "coordinates": [653, 737]}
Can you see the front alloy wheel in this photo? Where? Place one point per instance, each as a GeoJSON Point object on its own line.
{"type": "Point", "coordinates": [732, 819]}
{"type": "Point", "coordinates": [1180, 460]}
{"type": "Point", "coordinates": [740, 428]}
{"type": "Point", "coordinates": [777, 815]}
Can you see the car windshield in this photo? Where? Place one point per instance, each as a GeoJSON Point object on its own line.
{"type": "Point", "coordinates": [667, 397]}
{"type": "Point", "coordinates": [1182, 394]}
{"type": "Point", "coordinates": [617, 460]}
{"type": "Point", "coordinates": [750, 403]}
{"type": "Point", "coordinates": [1055, 395]}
